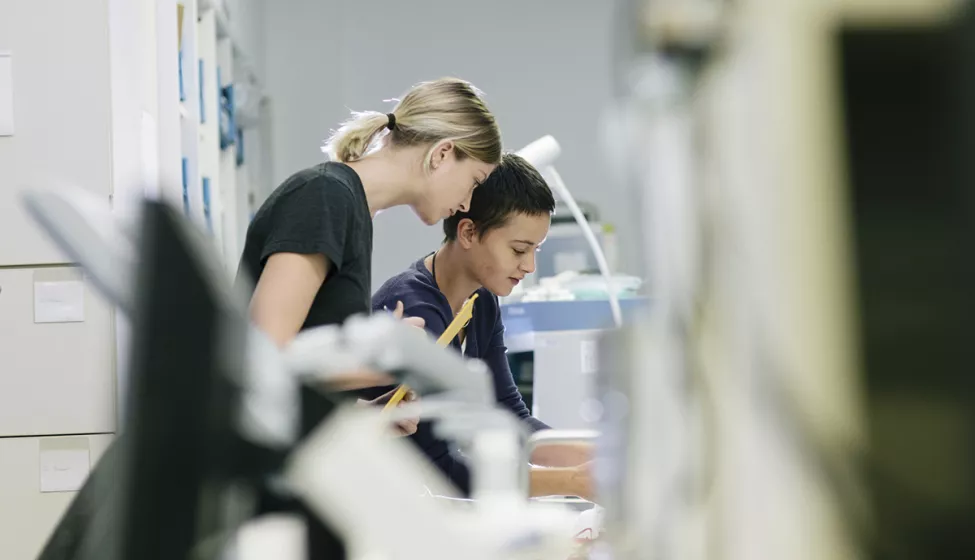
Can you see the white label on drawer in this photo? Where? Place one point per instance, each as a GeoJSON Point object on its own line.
{"type": "Point", "coordinates": [59, 302]}
{"type": "Point", "coordinates": [64, 470]}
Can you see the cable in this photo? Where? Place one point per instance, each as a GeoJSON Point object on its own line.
{"type": "Point", "coordinates": [614, 301]}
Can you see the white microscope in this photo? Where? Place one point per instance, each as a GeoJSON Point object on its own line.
{"type": "Point", "coordinates": [376, 491]}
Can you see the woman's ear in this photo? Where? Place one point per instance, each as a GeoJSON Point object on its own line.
{"type": "Point", "coordinates": [440, 153]}
{"type": "Point", "coordinates": [466, 233]}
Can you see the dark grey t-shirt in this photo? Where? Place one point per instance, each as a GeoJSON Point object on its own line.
{"type": "Point", "coordinates": [321, 209]}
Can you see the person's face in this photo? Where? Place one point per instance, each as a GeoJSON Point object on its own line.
{"type": "Point", "coordinates": [449, 184]}
{"type": "Point", "coordinates": [502, 257]}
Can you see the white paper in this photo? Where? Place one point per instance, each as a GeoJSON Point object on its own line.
{"type": "Point", "coordinates": [59, 302]}
{"type": "Point", "coordinates": [6, 94]}
{"type": "Point", "coordinates": [64, 470]}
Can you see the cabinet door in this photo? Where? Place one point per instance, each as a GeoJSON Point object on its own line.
{"type": "Point", "coordinates": [27, 515]}
{"type": "Point", "coordinates": [55, 378]}
{"type": "Point", "coordinates": [62, 114]}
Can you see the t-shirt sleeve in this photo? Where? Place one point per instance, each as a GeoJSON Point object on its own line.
{"type": "Point", "coordinates": [314, 218]}
{"type": "Point", "coordinates": [507, 391]}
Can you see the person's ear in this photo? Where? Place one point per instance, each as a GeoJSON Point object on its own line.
{"type": "Point", "coordinates": [441, 151]}
{"type": "Point", "coordinates": [466, 233]}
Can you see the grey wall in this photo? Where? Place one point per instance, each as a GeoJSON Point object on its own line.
{"type": "Point", "coordinates": [545, 66]}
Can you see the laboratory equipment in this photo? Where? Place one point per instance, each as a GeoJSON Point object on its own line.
{"type": "Point", "coordinates": [553, 349]}
{"type": "Point", "coordinates": [212, 420]}
{"type": "Point", "coordinates": [786, 334]}
{"type": "Point", "coordinates": [455, 326]}
{"type": "Point", "coordinates": [912, 212]}
{"type": "Point", "coordinates": [567, 249]}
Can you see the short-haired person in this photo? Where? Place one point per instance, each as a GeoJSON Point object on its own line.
{"type": "Point", "coordinates": [488, 249]}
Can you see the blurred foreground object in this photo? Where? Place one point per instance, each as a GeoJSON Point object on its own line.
{"type": "Point", "coordinates": [801, 388]}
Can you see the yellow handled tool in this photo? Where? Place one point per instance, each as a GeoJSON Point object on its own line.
{"type": "Point", "coordinates": [463, 316]}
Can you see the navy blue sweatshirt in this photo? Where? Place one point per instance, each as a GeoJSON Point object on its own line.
{"type": "Point", "coordinates": [421, 297]}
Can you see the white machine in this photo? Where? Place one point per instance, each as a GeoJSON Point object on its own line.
{"type": "Point", "coordinates": [349, 470]}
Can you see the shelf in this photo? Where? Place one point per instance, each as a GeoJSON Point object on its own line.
{"type": "Point", "coordinates": [219, 188]}
{"type": "Point", "coordinates": [244, 69]}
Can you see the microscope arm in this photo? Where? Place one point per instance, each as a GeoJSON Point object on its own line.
{"type": "Point", "coordinates": [383, 344]}
{"type": "Point", "coordinates": [369, 486]}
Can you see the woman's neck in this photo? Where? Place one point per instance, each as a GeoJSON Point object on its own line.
{"type": "Point", "coordinates": [452, 277]}
{"type": "Point", "coordinates": [383, 178]}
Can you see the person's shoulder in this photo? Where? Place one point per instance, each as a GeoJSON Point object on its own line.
{"type": "Point", "coordinates": [486, 300]}
{"type": "Point", "coordinates": [487, 310]}
{"type": "Point", "coordinates": [410, 286]}
{"type": "Point", "coordinates": [321, 182]}
{"type": "Point", "coordinates": [330, 181]}
{"type": "Point", "coordinates": [339, 177]}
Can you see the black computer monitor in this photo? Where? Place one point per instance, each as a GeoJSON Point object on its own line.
{"type": "Point", "coordinates": [166, 487]}
{"type": "Point", "coordinates": [189, 476]}
{"type": "Point", "coordinates": [184, 473]}
{"type": "Point", "coordinates": [182, 451]}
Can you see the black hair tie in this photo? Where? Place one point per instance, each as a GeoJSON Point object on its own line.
{"type": "Point", "coordinates": [392, 121]}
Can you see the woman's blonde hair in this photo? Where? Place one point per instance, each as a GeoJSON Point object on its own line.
{"type": "Point", "coordinates": [444, 109]}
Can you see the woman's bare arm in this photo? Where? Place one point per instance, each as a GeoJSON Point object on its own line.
{"type": "Point", "coordinates": [285, 292]}
{"type": "Point", "coordinates": [562, 454]}
{"type": "Point", "coordinates": [561, 481]}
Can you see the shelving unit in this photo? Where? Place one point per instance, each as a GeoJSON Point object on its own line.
{"type": "Point", "coordinates": [221, 185]}
{"type": "Point", "coordinates": [141, 121]}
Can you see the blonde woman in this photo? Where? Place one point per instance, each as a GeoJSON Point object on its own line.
{"type": "Point", "coordinates": [309, 246]}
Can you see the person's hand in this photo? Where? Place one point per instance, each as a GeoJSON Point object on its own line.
{"type": "Point", "coordinates": [417, 322]}
{"type": "Point", "coordinates": [403, 427]}
{"type": "Point", "coordinates": [582, 482]}
{"type": "Point", "coordinates": [357, 379]}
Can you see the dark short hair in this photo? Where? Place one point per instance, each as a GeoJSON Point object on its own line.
{"type": "Point", "coordinates": [514, 187]}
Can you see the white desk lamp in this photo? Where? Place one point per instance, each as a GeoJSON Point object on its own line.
{"type": "Point", "coordinates": [542, 154]}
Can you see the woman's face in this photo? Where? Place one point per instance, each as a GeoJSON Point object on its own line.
{"type": "Point", "coordinates": [449, 184]}
{"type": "Point", "coordinates": [502, 257]}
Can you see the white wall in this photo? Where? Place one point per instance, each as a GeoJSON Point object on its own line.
{"type": "Point", "coordinates": [247, 20]}
{"type": "Point", "coordinates": [545, 65]}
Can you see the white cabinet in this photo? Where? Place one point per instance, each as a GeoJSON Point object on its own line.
{"type": "Point", "coordinates": [27, 515]}
{"type": "Point", "coordinates": [61, 108]}
{"type": "Point", "coordinates": [55, 378]}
